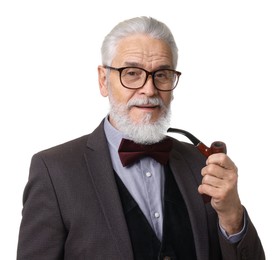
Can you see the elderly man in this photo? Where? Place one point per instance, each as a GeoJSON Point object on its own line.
{"type": "Point", "coordinates": [127, 190]}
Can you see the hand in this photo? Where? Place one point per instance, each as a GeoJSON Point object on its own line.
{"type": "Point", "coordinates": [220, 182]}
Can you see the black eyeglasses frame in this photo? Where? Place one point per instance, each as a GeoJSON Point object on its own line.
{"type": "Point", "coordinates": [148, 73]}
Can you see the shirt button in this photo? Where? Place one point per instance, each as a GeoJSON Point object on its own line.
{"type": "Point", "coordinates": [156, 214]}
{"type": "Point", "coordinates": [148, 174]}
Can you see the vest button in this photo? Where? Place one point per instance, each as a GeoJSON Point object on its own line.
{"type": "Point", "coordinates": [148, 174]}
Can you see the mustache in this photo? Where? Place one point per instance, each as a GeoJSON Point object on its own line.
{"type": "Point", "coordinates": [154, 101]}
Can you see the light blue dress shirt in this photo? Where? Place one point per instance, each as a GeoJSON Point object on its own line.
{"type": "Point", "coordinates": [145, 182]}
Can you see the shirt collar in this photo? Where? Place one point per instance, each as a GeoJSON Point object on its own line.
{"type": "Point", "coordinates": [113, 135]}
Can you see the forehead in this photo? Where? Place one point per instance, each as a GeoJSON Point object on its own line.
{"type": "Point", "coordinates": [142, 50]}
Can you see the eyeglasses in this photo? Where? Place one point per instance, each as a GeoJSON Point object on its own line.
{"type": "Point", "coordinates": [135, 78]}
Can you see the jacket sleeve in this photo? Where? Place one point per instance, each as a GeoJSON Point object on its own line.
{"type": "Point", "coordinates": [248, 248]}
{"type": "Point", "coordinates": [42, 233]}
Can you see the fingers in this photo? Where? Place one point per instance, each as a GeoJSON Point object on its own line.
{"type": "Point", "coordinates": [219, 176]}
{"type": "Point", "coordinates": [212, 181]}
{"type": "Point", "coordinates": [222, 160]}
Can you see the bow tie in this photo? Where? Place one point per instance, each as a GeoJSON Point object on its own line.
{"type": "Point", "coordinates": [130, 152]}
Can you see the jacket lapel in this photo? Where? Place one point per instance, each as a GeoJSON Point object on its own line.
{"type": "Point", "coordinates": [188, 187]}
{"type": "Point", "coordinates": [99, 165]}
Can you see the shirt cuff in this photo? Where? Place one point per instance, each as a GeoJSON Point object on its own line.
{"type": "Point", "coordinates": [234, 238]}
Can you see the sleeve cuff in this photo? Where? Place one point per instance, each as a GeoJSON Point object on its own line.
{"type": "Point", "coordinates": [234, 238]}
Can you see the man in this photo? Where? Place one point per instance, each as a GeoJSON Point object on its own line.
{"type": "Point", "coordinates": [87, 199]}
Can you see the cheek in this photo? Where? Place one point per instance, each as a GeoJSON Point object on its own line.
{"type": "Point", "coordinates": [166, 98]}
{"type": "Point", "coordinates": [121, 95]}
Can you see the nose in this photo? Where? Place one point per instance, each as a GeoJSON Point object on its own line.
{"type": "Point", "coordinates": [148, 88]}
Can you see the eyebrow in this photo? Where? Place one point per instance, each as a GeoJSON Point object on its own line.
{"type": "Point", "coordinates": [136, 64]}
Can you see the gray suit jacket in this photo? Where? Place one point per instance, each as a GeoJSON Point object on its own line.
{"type": "Point", "coordinates": [72, 208]}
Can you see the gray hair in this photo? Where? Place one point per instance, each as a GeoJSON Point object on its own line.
{"type": "Point", "coordinates": [144, 25]}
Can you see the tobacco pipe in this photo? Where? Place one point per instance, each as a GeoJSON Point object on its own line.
{"type": "Point", "coordinates": [216, 147]}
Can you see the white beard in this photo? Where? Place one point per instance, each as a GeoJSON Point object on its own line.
{"type": "Point", "coordinates": [144, 131]}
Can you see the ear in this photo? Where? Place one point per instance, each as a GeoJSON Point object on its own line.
{"type": "Point", "coordinates": [102, 77]}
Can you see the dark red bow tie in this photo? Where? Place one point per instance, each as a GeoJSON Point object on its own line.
{"type": "Point", "coordinates": [130, 152]}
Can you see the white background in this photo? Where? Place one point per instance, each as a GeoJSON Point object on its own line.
{"type": "Point", "coordinates": [49, 53]}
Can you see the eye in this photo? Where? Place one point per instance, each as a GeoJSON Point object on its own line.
{"type": "Point", "coordinates": [163, 74]}
{"type": "Point", "coordinates": [132, 72]}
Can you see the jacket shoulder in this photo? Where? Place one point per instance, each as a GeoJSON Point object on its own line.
{"type": "Point", "coordinates": [68, 148]}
